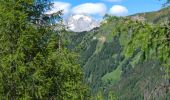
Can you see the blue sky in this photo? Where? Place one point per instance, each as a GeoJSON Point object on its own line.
{"type": "Point", "coordinates": [98, 8]}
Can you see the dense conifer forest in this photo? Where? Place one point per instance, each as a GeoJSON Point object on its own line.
{"type": "Point", "coordinates": [32, 66]}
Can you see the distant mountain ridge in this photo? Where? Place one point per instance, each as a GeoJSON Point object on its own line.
{"type": "Point", "coordinates": [83, 22]}
{"type": "Point", "coordinates": [156, 16]}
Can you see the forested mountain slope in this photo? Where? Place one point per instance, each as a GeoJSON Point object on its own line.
{"type": "Point", "coordinates": [156, 16]}
{"type": "Point", "coordinates": [108, 69]}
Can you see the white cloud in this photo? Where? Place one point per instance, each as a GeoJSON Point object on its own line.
{"type": "Point", "coordinates": [57, 6]}
{"type": "Point", "coordinates": [118, 10]}
{"type": "Point", "coordinates": [90, 8]}
{"type": "Point", "coordinates": [113, 0]}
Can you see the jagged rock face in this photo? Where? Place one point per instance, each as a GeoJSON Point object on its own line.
{"type": "Point", "coordinates": [80, 23]}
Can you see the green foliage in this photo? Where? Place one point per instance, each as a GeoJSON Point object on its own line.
{"type": "Point", "coordinates": [99, 96]}
{"type": "Point", "coordinates": [112, 77]}
{"type": "Point", "coordinates": [111, 96]}
{"type": "Point", "coordinates": [144, 81]}
{"type": "Point", "coordinates": [151, 40]}
{"type": "Point", "coordinates": [32, 66]}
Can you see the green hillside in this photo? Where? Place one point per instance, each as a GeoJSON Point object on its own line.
{"type": "Point", "coordinates": [108, 69]}
{"type": "Point", "coordinates": [157, 16]}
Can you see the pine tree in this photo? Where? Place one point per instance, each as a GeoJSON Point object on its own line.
{"type": "Point", "coordinates": [31, 65]}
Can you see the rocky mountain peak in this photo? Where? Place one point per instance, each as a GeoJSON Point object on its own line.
{"type": "Point", "coordinates": [81, 22]}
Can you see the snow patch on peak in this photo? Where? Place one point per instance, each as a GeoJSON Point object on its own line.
{"type": "Point", "coordinates": [81, 22]}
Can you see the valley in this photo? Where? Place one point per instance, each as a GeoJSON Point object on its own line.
{"type": "Point", "coordinates": [106, 67]}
